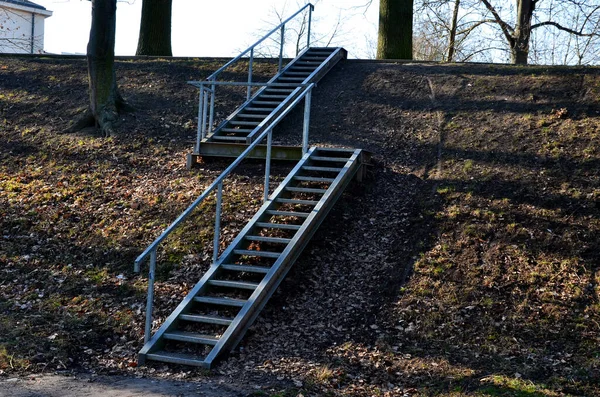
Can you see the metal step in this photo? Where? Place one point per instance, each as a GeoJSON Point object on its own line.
{"type": "Point", "coordinates": [191, 337]}
{"type": "Point", "coordinates": [296, 201]}
{"type": "Point", "coordinates": [286, 226]}
{"type": "Point", "coordinates": [228, 138]}
{"type": "Point", "coordinates": [240, 130]}
{"type": "Point", "coordinates": [198, 318]}
{"type": "Point", "coordinates": [251, 116]}
{"type": "Point", "coordinates": [176, 358]}
{"type": "Point", "coordinates": [313, 179]}
{"type": "Point", "coordinates": [291, 73]}
{"type": "Point", "coordinates": [305, 190]}
{"type": "Point", "coordinates": [333, 159]}
{"type": "Point", "coordinates": [238, 122]}
{"type": "Point", "coordinates": [263, 254]}
{"type": "Point", "coordinates": [324, 169]}
{"type": "Point", "coordinates": [233, 284]}
{"type": "Point", "coordinates": [273, 103]}
{"type": "Point", "coordinates": [220, 301]}
{"type": "Point", "coordinates": [292, 78]}
{"type": "Point", "coordinates": [287, 90]}
{"type": "Point", "coordinates": [247, 269]}
{"type": "Point", "coordinates": [255, 109]}
{"type": "Point", "coordinates": [307, 68]}
{"type": "Point", "coordinates": [275, 240]}
{"type": "Point", "coordinates": [268, 96]}
{"type": "Point", "coordinates": [288, 213]}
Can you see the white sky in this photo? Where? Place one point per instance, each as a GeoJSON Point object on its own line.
{"type": "Point", "coordinates": [211, 28]}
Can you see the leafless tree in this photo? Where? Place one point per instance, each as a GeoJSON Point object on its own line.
{"type": "Point", "coordinates": [518, 22]}
{"type": "Point", "coordinates": [296, 30]}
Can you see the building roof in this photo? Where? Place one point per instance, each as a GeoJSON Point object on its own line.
{"type": "Point", "coordinates": [25, 3]}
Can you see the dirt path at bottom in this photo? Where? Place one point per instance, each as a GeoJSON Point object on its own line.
{"type": "Point", "coordinates": [111, 386]}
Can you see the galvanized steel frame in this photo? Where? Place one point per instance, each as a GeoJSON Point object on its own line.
{"type": "Point", "coordinates": [216, 184]}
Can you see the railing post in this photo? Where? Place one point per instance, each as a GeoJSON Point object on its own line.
{"type": "Point", "coordinates": [212, 105]}
{"type": "Point", "coordinates": [281, 47]}
{"type": "Point", "coordinates": [217, 223]}
{"type": "Point", "coordinates": [250, 62]}
{"type": "Point", "coordinates": [306, 125]}
{"type": "Point", "coordinates": [204, 111]}
{"type": "Point", "coordinates": [200, 107]}
{"type": "Point", "coordinates": [310, 10]}
{"type": "Point", "coordinates": [268, 163]}
{"type": "Point", "coordinates": [150, 299]}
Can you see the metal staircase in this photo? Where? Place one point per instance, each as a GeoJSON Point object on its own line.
{"type": "Point", "coordinates": [231, 136]}
{"type": "Point", "coordinates": [250, 119]}
{"type": "Point", "coordinates": [214, 316]}
{"type": "Point", "coordinates": [216, 313]}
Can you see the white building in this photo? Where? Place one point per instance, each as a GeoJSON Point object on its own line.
{"type": "Point", "coordinates": [22, 27]}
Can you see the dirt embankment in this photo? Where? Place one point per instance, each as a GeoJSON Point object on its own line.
{"type": "Point", "coordinates": [484, 193]}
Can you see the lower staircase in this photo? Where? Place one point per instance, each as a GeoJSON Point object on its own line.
{"type": "Point", "coordinates": [214, 316]}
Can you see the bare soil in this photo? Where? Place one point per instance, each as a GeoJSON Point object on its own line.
{"type": "Point", "coordinates": [467, 264]}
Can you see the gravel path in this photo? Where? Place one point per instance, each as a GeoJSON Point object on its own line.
{"type": "Point", "coordinates": [111, 386]}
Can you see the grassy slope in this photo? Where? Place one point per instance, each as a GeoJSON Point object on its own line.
{"type": "Point", "coordinates": [486, 186]}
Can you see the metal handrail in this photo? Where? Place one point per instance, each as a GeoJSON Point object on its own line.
{"type": "Point", "coordinates": [218, 184]}
{"type": "Point", "coordinates": [278, 27]}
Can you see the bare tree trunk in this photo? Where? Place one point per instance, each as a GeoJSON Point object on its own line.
{"type": "Point", "coordinates": [395, 29]}
{"type": "Point", "coordinates": [452, 40]}
{"type": "Point", "coordinates": [522, 34]}
{"type": "Point", "coordinates": [155, 28]}
{"type": "Point", "coordinates": [105, 99]}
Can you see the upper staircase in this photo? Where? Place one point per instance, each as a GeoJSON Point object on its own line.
{"type": "Point", "coordinates": [250, 119]}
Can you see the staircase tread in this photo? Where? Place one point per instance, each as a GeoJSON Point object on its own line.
{"type": "Point", "coordinates": [314, 179]}
{"type": "Point", "coordinates": [201, 318]}
{"type": "Point", "coordinates": [266, 103]}
{"type": "Point", "coordinates": [297, 201]}
{"type": "Point", "coordinates": [192, 337]}
{"type": "Point", "coordinates": [332, 159]}
{"type": "Point", "coordinates": [288, 213]}
{"type": "Point", "coordinates": [238, 130]}
{"type": "Point", "coordinates": [234, 284]}
{"type": "Point", "coordinates": [279, 240]}
{"type": "Point", "coordinates": [266, 254]}
{"type": "Point", "coordinates": [305, 189]}
{"type": "Point", "coordinates": [220, 301]}
{"type": "Point", "coordinates": [239, 122]}
{"type": "Point", "coordinates": [246, 268]}
{"type": "Point", "coordinates": [315, 168]}
{"type": "Point", "coordinates": [278, 225]}
{"type": "Point", "coordinates": [175, 358]}
{"type": "Point", "coordinates": [251, 116]}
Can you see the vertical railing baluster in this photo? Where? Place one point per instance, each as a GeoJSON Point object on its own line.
{"type": "Point", "coordinates": [150, 299]}
{"type": "Point", "coordinates": [310, 10]}
{"type": "Point", "coordinates": [306, 125]}
{"type": "Point", "coordinates": [217, 223]}
{"type": "Point", "coordinates": [200, 107]}
{"type": "Point", "coordinates": [268, 163]}
{"type": "Point", "coordinates": [212, 105]}
{"type": "Point", "coordinates": [204, 111]}
{"type": "Point", "coordinates": [250, 62]}
{"type": "Point", "coordinates": [281, 47]}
